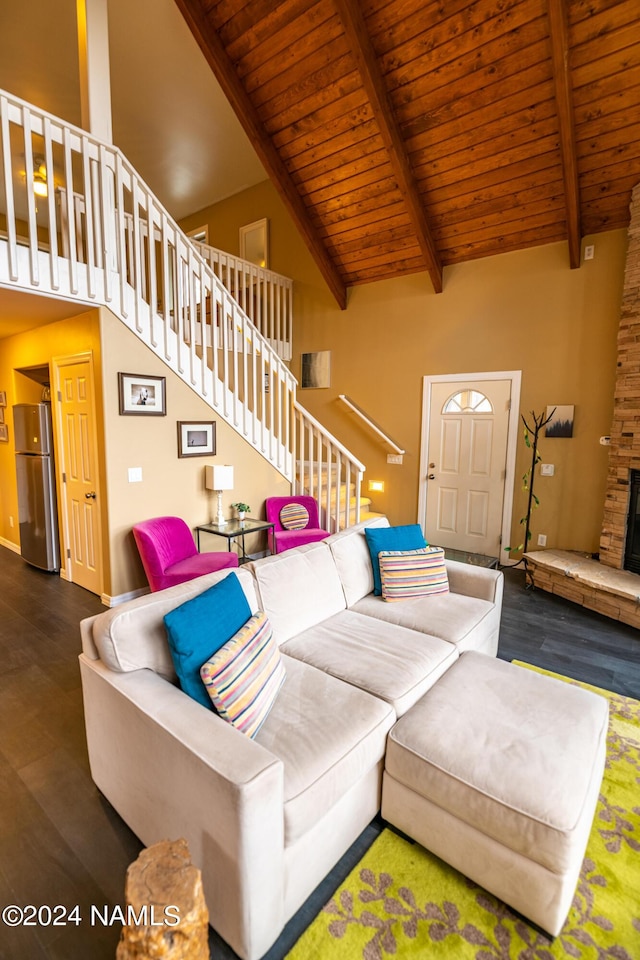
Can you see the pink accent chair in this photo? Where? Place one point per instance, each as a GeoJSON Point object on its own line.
{"type": "Point", "coordinates": [169, 555]}
{"type": "Point", "coordinates": [285, 539]}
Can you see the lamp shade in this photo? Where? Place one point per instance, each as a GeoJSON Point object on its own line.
{"type": "Point", "coordinates": [218, 477]}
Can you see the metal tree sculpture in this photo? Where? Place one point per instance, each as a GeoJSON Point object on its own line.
{"type": "Point", "coordinates": [531, 435]}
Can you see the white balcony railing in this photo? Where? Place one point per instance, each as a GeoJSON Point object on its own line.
{"type": "Point", "coordinates": [97, 234]}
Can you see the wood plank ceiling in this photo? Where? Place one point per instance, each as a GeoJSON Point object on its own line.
{"type": "Point", "coordinates": [405, 135]}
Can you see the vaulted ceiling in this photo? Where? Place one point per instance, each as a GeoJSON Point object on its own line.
{"type": "Point", "coordinates": [405, 135]}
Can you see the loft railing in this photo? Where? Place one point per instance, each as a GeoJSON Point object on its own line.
{"type": "Point", "coordinates": [97, 234]}
{"type": "Point", "coordinates": [266, 297]}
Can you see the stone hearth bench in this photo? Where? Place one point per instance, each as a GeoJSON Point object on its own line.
{"type": "Point", "coordinates": [497, 771]}
{"type": "Point", "coordinates": [613, 593]}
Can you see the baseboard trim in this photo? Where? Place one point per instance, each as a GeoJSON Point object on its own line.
{"type": "Point", "coordinates": [10, 545]}
{"type": "Point", "coordinates": [109, 601]}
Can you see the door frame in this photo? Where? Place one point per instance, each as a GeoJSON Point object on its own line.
{"type": "Point", "coordinates": [515, 376]}
{"type": "Point", "coordinates": [57, 364]}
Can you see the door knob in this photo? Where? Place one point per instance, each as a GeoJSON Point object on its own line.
{"type": "Point", "coordinates": [90, 496]}
{"type": "Point", "coordinates": [431, 476]}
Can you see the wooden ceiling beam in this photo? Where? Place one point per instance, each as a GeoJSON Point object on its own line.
{"type": "Point", "coordinates": [374, 85]}
{"type": "Point", "coordinates": [225, 73]}
{"type": "Point", "coordinates": [559, 36]}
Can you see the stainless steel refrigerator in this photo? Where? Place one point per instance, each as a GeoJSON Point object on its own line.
{"type": "Point", "coordinates": [37, 507]}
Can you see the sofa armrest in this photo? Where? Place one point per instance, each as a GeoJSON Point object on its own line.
{"type": "Point", "coordinates": [473, 581]}
{"type": "Point", "coordinates": [173, 769]}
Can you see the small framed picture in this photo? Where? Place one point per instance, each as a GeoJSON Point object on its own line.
{"type": "Point", "coordinates": [316, 370]}
{"type": "Point", "coordinates": [3, 398]}
{"type": "Point", "coordinates": [4, 432]}
{"type": "Point", "coordinates": [196, 438]}
{"type": "Point", "coordinates": [561, 423]}
{"type": "Point", "coordinates": [1, 414]}
{"type": "Point", "coordinates": [141, 396]}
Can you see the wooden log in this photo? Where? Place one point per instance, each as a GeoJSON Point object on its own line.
{"type": "Point", "coordinates": [165, 908]}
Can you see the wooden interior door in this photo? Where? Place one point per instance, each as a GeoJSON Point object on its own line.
{"type": "Point", "coordinates": [80, 492]}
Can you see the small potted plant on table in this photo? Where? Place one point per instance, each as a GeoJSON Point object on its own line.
{"type": "Point", "coordinates": [242, 508]}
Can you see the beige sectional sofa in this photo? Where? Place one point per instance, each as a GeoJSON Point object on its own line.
{"type": "Point", "coordinates": [266, 819]}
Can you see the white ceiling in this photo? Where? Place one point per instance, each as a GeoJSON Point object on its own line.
{"type": "Point", "coordinates": [170, 118]}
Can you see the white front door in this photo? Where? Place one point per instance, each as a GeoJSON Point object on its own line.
{"type": "Point", "coordinates": [466, 463]}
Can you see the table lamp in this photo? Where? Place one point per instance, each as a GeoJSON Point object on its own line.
{"type": "Point", "coordinates": [219, 477]}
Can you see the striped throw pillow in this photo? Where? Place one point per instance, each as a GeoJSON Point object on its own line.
{"type": "Point", "coordinates": [407, 574]}
{"type": "Point", "coordinates": [244, 677]}
{"type": "Point", "coordinates": [294, 516]}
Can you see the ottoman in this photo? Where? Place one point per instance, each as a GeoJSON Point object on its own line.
{"type": "Point", "coordinates": [497, 770]}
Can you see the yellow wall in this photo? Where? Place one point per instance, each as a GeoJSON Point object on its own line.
{"type": "Point", "coordinates": [518, 311]}
{"type": "Point", "coordinates": [170, 485]}
{"type": "Point", "coordinates": [35, 348]}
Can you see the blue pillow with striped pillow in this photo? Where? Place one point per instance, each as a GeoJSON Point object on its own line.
{"type": "Point", "coordinates": [243, 678]}
{"type": "Point", "coordinates": [408, 574]}
{"type": "Point", "coordinates": [199, 627]}
{"type": "Point", "coordinates": [408, 537]}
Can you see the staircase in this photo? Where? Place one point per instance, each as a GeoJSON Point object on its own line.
{"type": "Point", "coordinates": [78, 223]}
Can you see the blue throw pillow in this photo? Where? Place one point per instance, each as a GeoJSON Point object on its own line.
{"type": "Point", "coordinates": [199, 627]}
{"type": "Point", "coordinates": [408, 537]}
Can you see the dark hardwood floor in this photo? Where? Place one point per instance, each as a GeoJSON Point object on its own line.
{"type": "Point", "coordinates": [62, 843]}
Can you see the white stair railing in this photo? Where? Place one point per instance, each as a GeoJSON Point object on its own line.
{"type": "Point", "coordinates": [265, 296]}
{"type": "Point", "coordinates": [100, 236]}
{"type": "Point", "coordinates": [327, 471]}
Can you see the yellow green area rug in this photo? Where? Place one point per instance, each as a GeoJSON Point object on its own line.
{"type": "Point", "coordinates": [401, 901]}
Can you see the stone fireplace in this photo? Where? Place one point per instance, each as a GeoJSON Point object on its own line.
{"type": "Point", "coordinates": [624, 451]}
{"type": "Point", "coordinates": [605, 585]}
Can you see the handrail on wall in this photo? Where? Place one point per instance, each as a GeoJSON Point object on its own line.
{"type": "Point", "coordinates": [371, 423]}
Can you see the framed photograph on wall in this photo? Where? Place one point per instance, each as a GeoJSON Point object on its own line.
{"type": "Point", "coordinates": [196, 438]}
{"type": "Point", "coordinates": [4, 432]}
{"type": "Point", "coordinates": [561, 423]}
{"type": "Point", "coordinates": [3, 398]}
{"type": "Point", "coordinates": [141, 395]}
{"type": "Point", "coordinates": [1, 414]}
{"type": "Point", "coordinates": [316, 370]}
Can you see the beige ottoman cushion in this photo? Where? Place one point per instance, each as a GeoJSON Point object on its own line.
{"type": "Point", "coordinates": [516, 759]}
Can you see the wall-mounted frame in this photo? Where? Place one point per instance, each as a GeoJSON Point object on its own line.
{"type": "Point", "coordinates": [141, 395]}
{"type": "Point", "coordinates": [2, 414]}
{"type": "Point", "coordinates": [196, 438]}
{"type": "Point", "coordinates": [316, 370]}
{"type": "Point", "coordinates": [4, 432]}
{"type": "Point", "coordinates": [254, 242]}
{"type": "Point", "coordinates": [3, 398]}
{"type": "Point", "coordinates": [561, 423]}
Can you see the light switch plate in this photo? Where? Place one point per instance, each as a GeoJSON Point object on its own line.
{"type": "Point", "coordinates": [135, 474]}
{"type": "Point", "coordinates": [547, 469]}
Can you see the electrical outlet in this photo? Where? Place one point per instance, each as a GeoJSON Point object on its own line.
{"type": "Point", "coordinates": [589, 252]}
{"type": "Point", "coordinates": [542, 539]}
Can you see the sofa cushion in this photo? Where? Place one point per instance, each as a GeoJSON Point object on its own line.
{"type": "Point", "coordinates": [199, 627]}
{"type": "Point", "coordinates": [454, 617]}
{"type": "Point", "coordinates": [328, 735]}
{"type": "Point", "coordinates": [407, 574]}
{"type": "Point", "coordinates": [244, 676]}
{"type": "Point", "coordinates": [132, 636]}
{"type": "Point", "coordinates": [298, 589]}
{"type": "Point", "coordinates": [353, 560]}
{"type": "Point", "coordinates": [407, 537]}
{"type": "Point", "coordinates": [389, 661]}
